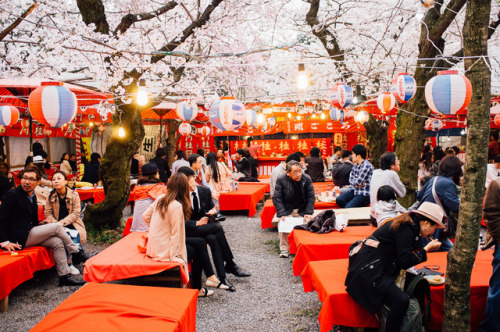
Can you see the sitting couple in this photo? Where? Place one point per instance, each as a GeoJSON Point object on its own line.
{"type": "Point", "coordinates": [179, 231]}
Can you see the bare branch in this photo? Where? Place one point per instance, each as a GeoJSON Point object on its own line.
{"type": "Point", "coordinates": [92, 11]}
{"type": "Point", "coordinates": [11, 27]}
{"type": "Point", "coordinates": [130, 19]}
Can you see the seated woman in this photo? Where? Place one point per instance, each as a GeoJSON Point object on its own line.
{"type": "Point", "coordinates": [65, 166]}
{"type": "Point", "coordinates": [315, 165]}
{"type": "Point", "coordinates": [63, 206]}
{"type": "Point", "coordinates": [395, 245]}
{"type": "Point", "coordinates": [244, 167]}
{"type": "Point", "coordinates": [148, 188]}
{"type": "Point", "coordinates": [167, 237]}
{"type": "Point", "coordinates": [387, 205]}
{"type": "Point", "coordinates": [217, 174]}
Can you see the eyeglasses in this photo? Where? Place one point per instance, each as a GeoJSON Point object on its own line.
{"type": "Point", "coordinates": [29, 179]}
{"type": "Point", "coordinates": [297, 172]}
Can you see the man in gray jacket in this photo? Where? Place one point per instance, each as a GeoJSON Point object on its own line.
{"type": "Point", "coordinates": [293, 197]}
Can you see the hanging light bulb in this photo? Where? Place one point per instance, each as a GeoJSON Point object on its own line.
{"type": "Point", "coordinates": [289, 115]}
{"type": "Point", "coordinates": [261, 118]}
{"type": "Point", "coordinates": [91, 124]}
{"type": "Point", "coordinates": [298, 118]}
{"type": "Point", "coordinates": [314, 116]}
{"type": "Point", "coordinates": [323, 116]}
{"type": "Point", "coordinates": [302, 81]}
{"type": "Point", "coordinates": [142, 93]}
{"type": "Point", "coordinates": [121, 131]}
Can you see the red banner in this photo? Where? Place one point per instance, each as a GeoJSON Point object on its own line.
{"type": "Point", "coordinates": [190, 144]}
{"type": "Point", "coordinates": [21, 129]}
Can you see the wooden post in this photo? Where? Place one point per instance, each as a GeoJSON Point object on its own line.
{"type": "Point", "coordinates": [4, 304]}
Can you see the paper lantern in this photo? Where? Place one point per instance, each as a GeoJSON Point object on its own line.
{"type": "Point", "coordinates": [187, 110]}
{"type": "Point", "coordinates": [337, 115]}
{"type": "Point", "coordinates": [341, 95]}
{"type": "Point", "coordinates": [427, 3]}
{"type": "Point", "coordinates": [448, 93]}
{"type": "Point", "coordinates": [404, 87]}
{"type": "Point", "coordinates": [434, 125]}
{"type": "Point", "coordinates": [185, 129]}
{"type": "Point", "coordinates": [2, 130]}
{"type": "Point", "coordinates": [8, 115]}
{"type": "Point", "coordinates": [251, 117]}
{"type": "Point", "coordinates": [361, 117]}
{"type": "Point", "coordinates": [227, 113]}
{"type": "Point", "coordinates": [271, 122]}
{"type": "Point", "coordinates": [25, 123]}
{"type": "Point", "coordinates": [205, 130]}
{"type": "Point", "coordinates": [386, 102]}
{"type": "Point", "coordinates": [52, 104]}
{"type": "Point", "coordinates": [496, 119]}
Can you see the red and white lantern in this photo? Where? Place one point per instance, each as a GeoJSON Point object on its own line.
{"type": "Point", "coordinates": [52, 104]}
{"type": "Point", "coordinates": [496, 119]}
{"type": "Point", "coordinates": [404, 87]}
{"type": "Point", "coordinates": [8, 115]}
{"type": "Point", "coordinates": [361, 117]}
{"type": "Point", "coordinates": [185, 129]}
{"type": "Point", "coordinates": [341, 95]}
{"type": "Point", "coordinates": [205, 130]}
{"type": "Point", "coordinates": [187, 110]}
{"type": "Point", "coordinates": [386, 102]}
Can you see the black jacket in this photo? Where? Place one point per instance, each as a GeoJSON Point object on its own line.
{"type": "Point", "coordinates": [206, 204]}
{"type": "Point", "coordinates": [374, 269]}
{"type": "Point", "coordinates": [284, 194]}
{"type": "Point", "coordinates": [91, 173]}
{"type": "Point", "coordinates": [315, 169]}
{"type": "Point", "coordinates": [163, 168]}
{"type": "Point", "coordinates": [244, 166]}
{"type": "Point", "coordinates": [341, 174]}
{"type": "Point", "coordinates": [17, 216]}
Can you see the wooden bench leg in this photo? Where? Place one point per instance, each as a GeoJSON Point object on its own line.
{"type": "Point", "coordinates": [4, 304]}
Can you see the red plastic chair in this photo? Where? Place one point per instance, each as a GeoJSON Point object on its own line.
{"type": "Point", "coordinates": [128, 225]}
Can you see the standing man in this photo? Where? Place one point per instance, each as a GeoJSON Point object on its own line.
{"type": "Point", "coordinates": [19, 227]}
{"type": "Point", "coordinates": [360, 179]}
{"type": "Point", "coordinates": [293, 197]}
{"type": "Point", "coordinates": [491, 217]}
{"type": "Point", "coordinates": [213, 233]}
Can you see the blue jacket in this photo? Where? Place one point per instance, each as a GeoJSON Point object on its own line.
{"type": "Point", "coordinates": [446, 191]}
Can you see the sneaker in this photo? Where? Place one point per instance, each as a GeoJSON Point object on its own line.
{"type": "Point", "coordinates": [284, 254]}
{"type": "Point", "coordinates": [68, 280]}
{"type": "Point", "coordinates": [73, 270]}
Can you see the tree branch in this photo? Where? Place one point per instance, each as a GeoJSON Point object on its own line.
{"type": "Point", "coordinates": [443, 22]}
{"type": "Point", "coordinates": [11, 27]}
{"type": "Point", "coordinates": [130, 19]}
{"type": "Point", "coordinates": [92, 11]}
{"type": "Point", "coordinates": [174, 43]}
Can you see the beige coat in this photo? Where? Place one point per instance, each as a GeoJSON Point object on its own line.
{"type": "Point", "coordinates": [167, 237]}
{"type": "Point", "coordinates": [73, 205]}
{"type": "Point", "coordinates": [224, 185]}
{"type": "Point", "coordinates": [66, 167]}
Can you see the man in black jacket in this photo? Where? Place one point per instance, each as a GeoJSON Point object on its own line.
{"type": "Point", "coordinates": [342, 172]}
{"type": "Point", "coordinates": [19, 227]}
{"type": "Point", "coordinates": [198, 226]}
{"type": "Point", "coordinates": [293, 197]}
{"type": "Point", "coordinates": [162, 164]}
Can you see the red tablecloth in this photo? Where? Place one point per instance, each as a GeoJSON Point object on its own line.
{"type": "Point", "coordinates": [268, 212]}
{"type": "Point", "coordinates": [309, 247]}
{"type": "Point", "coordinates": [96, 194]}
{"type": "Point", "coordinates": [262, 182]}
{"type": "Point", "coordinates": [122, 260]}
{"type": "Point", "coordinates": [110, 307]}
{"type": "Point", "coordinates": [245, 198]}
{"type": "Point", "coordinates": [14, 270]}
{"type": "Point", "coordinates": [327, 278]}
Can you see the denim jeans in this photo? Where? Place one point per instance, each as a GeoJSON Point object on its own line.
{"type": "Point", "coordinates": [349, 200]}
{"type": "Point", "coordinates": [492, 320]}
{"type": "Point", "coordinates": [75, 240]}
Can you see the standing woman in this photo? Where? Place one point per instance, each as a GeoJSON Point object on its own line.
{"type": "Point", "coordinates": [63, 206]}
{"type": "Point", "coordinates": [394, 246]}
{"type": "Point", "coordinates": [167, 237]}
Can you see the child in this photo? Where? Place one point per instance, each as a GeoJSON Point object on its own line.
{"type": "Point", "coordinates": [387, 206]}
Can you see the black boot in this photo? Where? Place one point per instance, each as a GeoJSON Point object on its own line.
{"type": "Point", "coordinates": [81, 257]}
{"type": "Point", "coordinates": [68, 280]}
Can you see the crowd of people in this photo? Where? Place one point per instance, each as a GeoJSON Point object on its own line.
{"type": "Point", "coordinates": [178, 207]}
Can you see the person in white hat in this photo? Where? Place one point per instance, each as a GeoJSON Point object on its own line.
{"type": "Point", "coordinates": [395, 245]}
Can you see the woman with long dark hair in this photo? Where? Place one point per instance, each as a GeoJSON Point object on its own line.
{"type": "Point", "coordinates": [167, 239]}
{"type": "Point", "coordinates": [217, 174]}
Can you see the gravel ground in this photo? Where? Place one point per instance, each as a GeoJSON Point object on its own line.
{"type": "Point", "coordinates": [270, 300]}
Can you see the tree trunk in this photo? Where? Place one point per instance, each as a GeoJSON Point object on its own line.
{"type": "Point", "coordinates": [462, 255]}
{"type": "Point", "coordinates": [114, 170]}
{"type": "Point", "coordinates": [409, 138]}
{"type": "Point", "coordinates": [377, 132]}
{"type": "Point", "coordinates": [173, 136]}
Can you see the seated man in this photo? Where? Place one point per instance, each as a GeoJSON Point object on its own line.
{"type": "Point", "coordinates": [293, 197]}
{"type": "Point", "coordinates": [342, 172]}
{"type": "Point", "coordinates": [197, 226]}
{"type": "Point", "coordinates": [360, 179]}
{"type": "Point", "coordinates": [19, 227]}
{"type": "Point", "coordinates": [280, 170]}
